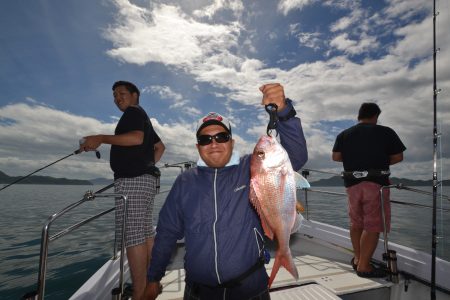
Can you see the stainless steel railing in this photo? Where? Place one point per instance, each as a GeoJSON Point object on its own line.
{"type": "Point", "coordinates": [389, 256]}
{"type": "Point", "coordinates": [46, 238]}
{"type": "Point", "coordinates": [117, 293]}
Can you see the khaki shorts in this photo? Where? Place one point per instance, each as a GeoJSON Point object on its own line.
{"type": "Point", "coordinates": [140, 192]}
{"type": "Point", "coordinates": [364, 207]}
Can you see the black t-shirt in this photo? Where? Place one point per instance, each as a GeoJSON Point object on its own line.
{"type": "Point", "coordinates": [366, 147]}
{"type": "Point", "coordinates": [133, 161]}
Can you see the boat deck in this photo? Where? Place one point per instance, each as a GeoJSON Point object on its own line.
{"type": "Point", "coordinates": [325, 275]}
{"type": "Point", "coordinates": [323, 266]}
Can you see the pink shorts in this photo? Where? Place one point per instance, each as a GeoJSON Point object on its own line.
{"type": "Point", "coordinates": [364, 207]}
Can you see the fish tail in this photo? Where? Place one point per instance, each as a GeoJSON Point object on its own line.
{"type": "Point", "coordinates": [287, 262]}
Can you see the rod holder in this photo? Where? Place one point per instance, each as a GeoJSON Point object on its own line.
{"type": "Point", "coordinates": [116, 294]}
{"type": "Point", "coordinates": [391, 260]}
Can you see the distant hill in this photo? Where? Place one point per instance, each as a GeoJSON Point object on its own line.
{"type": "Point", "coordinates": [101, 181]}
{"type": "Point", "coordinates": [333, 181]}
{"type": "Point", "coordinates": [338, 181]}
{"type": "Point", "coordinates": [5, 179]}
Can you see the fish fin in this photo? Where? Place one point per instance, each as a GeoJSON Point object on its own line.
{"type": "Point", "coordinates": [267, 231]}
{"type": "Point", "coordinates": [297, 223]}
{"type": "Point", "coordinates": [299, 207]}
{"type": "Point", "coordinates": [253, 195]}
{"type": "Point", "coordinates": [287, 262]}
{"type": "Point", "coordinates": [254, 200]}
{"type": "Point", "coordinates": [301, 182]}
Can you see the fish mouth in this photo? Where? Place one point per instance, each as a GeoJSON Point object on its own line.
{"type": "Point", "coordinates": [261, 154]}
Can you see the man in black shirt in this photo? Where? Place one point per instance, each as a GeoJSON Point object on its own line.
{"type": "Point", "coordinates": [135, 148]}
{"type": "Point", "coordinates": [367, 150]}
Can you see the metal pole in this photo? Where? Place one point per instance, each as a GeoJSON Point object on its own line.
{"type": "Point", "coordinates": [45, 242]}
{"type": "Point", "coordinates": [44, 246]}
{"type": "Point", "coordinates": [435, 181]}
{"type": "Point", "coordinates": [389, 255]}
{"type": "Point", "coordinates": [305, 174]}
{"type": "Point", "coordinates": [117, 293]}
{"type": "Point", "coordinates": [122, 250]}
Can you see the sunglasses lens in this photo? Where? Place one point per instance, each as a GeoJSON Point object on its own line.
{"type": "Point", "coordinates": [204, 140]}
{"type": "Point", "coordinates": [221, 137]}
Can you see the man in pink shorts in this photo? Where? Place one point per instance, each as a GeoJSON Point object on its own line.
{"type": "Point", "coordinates": [366, 151]}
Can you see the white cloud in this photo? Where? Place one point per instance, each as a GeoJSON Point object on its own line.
{"type": "Point", "coordinates": [344, 43]}
{"type": "Point", "coordinates": [308, 39]}
{"type": "Point", "coordinates": [165, 92]}
{"type": "Point", "coordinates": [285, 6]}
{"type": "Point", "coordinates": [399, 79]}
{"type": "Point", "coordinates": [354, 18]}
{"type": "Point", "coordinates": [407, 8]}
{"type": "Point", "coordinates": [334, 89]}
{"type": "Point", "coordinates": [178, 101]}
{"type": "Point", "coordinates": [235, 6]}
{"type": "Point", "coordinates": [166, 35]}
{"type": "Point", "coordinates": [31, 142]}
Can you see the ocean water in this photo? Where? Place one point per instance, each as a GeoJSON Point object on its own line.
{"type": "Point", "coordinates": [73, 258]}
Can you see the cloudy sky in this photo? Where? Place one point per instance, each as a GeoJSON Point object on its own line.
{"type": "Point", "coordinates": [59, 59]}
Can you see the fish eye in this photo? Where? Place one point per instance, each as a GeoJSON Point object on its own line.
{"type": "Point", "coordinates": [260, 154]}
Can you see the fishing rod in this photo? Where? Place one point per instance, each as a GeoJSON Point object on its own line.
{"type": "Point", "coordinates": [435, 179]}
{"type": "Point", "coordinates": [78, 151]}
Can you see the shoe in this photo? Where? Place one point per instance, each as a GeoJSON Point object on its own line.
{"type": "Point", "coordinates": [375, 273]}
{"type": "Point", "coordinates": [352, 262]}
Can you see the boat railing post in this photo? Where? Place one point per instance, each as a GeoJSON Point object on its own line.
{"type": "Point", "coordinates": [305, 173]}
{"type": "Point", "coordinates": [43, 261]}
{"type": "Point", "coordinates": [122, 249]}
{"type": "Point", "coordinates": [39, 294]}
{"type": "Point", "coordinates": [117, 292]}
{"type": "Point", "coordinates": [46, 239]}
{"type": "Point", "coordinates": [390, 256]}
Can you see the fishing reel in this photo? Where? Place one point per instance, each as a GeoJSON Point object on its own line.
{"type": "Point", "coordinates": [81, 141]}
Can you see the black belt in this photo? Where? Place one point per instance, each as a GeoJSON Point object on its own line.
{"type": "Point", "coordinates": [154, 171]}
{"type": "Point", "coordinates": [365, 174]}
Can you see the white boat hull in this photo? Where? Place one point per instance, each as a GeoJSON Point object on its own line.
{"type": "Point", "coordinates": [322, 255]}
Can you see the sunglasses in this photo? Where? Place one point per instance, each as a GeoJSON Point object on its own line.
{"type": "Point", "coordinates": [221, 137]}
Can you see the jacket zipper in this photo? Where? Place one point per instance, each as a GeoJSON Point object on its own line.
{"type": "Point", "coordinates": [214, 227]}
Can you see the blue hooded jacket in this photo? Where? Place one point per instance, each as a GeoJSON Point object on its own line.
{"type": "Point", "coordinates": [210, 208]}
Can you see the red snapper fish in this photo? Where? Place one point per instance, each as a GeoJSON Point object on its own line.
{"type": "Point", "coordinates": [273, 193]}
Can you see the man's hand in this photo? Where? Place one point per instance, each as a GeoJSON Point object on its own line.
{"type": "Point", "coordinates": [152, 290]}
{"type": "Point", "coordinates": [91, 142]}
{"type": "Point", "coordinates": [273, 93]}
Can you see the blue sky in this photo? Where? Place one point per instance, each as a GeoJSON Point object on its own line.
{"type": "Point", "coordinates": [59, 59]}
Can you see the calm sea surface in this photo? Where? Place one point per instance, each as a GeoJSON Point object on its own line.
{"type": "Point", "coordinates": [75, 257]}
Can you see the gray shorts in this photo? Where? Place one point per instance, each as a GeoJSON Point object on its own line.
{"type": "Point", "coordinates": [140, 192]}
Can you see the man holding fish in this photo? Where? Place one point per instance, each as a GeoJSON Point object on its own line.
{"type": "Point", "coordinates": [218, 207]}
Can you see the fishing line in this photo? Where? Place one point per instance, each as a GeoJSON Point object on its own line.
{"type": "Point", "coordinates": [78, 151]}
